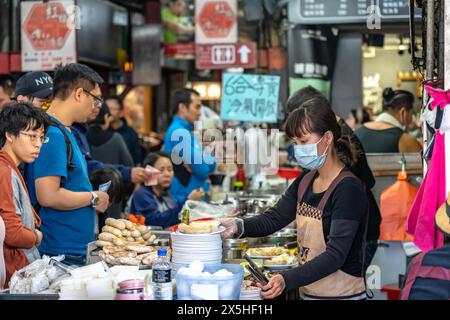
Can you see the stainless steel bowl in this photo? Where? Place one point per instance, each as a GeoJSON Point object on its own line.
{"type": "Point", "coordinates": [257, 205]}
{"type": "Point", "coordinates": [154, 228]}
{"type": "Point", "coordinates": [233, 253]}
{"type": "Point", "coordinates": [235, 243]}
{"type": "Point", "coordinates": [281, 238]}
{"type": "Point", "coordinates": [234, 248]}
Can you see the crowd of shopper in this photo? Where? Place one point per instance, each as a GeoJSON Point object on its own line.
{"type": "Point", "coordinates": [62, 142]}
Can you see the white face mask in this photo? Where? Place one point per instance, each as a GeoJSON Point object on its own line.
{"type": "Point", "coordinates": [307, 155]}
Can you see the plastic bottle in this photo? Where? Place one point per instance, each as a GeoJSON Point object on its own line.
{"type": "Point", "coordinates": [240, 177]}
{"type": "Point", "coordinates": [162, 279]}
{"type": "Point", "coordinates": [185, 216]}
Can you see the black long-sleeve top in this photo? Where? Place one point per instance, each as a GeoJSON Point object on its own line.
{"type": "Point", "coordinates": [343, 221]}
{"type": "Point", "coordinates": [362, 171]}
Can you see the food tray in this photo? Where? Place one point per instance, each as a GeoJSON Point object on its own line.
{"type": "Point", "coordinates": [8, 296]}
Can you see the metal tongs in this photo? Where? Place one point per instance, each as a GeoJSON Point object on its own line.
{"type": "Point", "coordinates": [108, 270]}
{"type": "Point", "coordinates": [255, 271]}
{"type": "Point", "coordinates": [59, 264]}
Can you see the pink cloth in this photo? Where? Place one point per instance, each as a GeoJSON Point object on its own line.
{"type": "Point", "coordinates": [430, 197]}
{"type": "Point", "coordinates": [2, 258]}
{"type": "Point", "coordinates": [440, 97]}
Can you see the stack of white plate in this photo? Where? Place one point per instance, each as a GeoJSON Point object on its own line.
{"type": "Point", "coordinates": [252, 293]}
{"type": "Point", "coordinates": [187, 248]}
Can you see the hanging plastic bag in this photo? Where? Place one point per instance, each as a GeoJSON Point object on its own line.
{"type": "Point", "coordinates": [200, 210]}
{"type": "Point", "coordinates": [395, 203]}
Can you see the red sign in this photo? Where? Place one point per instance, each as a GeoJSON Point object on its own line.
{"type": "Point", "coordinates": [48, 34]}
{"type": "Point", "coordinates": [220, 56]}
{"type": "Point", "coordinates": [180, 50]}
{"type": "Point", "coordinates": [216, 21]}
{"type": "Point", "coordinates": [44, 27]}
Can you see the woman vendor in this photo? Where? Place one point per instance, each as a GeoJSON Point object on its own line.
{"type": "Point", "coordinates": [329, 205]}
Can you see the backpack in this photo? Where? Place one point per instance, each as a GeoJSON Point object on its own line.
{"type": "Point", "coordinates": [70, 166]}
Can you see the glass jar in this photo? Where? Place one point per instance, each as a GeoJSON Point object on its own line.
{"type": "Point", "coordinates": [131, 290]}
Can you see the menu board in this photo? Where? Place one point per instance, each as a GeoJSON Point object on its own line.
{"type": "Point", "coordinates": [250, 97]}
{"type": "Point", "coordinates": [348, 11]}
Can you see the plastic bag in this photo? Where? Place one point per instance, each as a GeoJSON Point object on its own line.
{"type": "Point", "coordinates": [395, 203]}
{"type": "Point", "coordinates": [36, 277]}
{"type": "Point", "coordinates": [201, 210]}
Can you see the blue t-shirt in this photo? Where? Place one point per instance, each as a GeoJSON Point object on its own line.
{"type": "Point", "coordinates": [181, 141]}
{"type": "Point", "coordinates": [64, 232]}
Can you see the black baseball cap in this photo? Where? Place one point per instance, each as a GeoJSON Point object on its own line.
{"type": "Point", "coordinates": [36, 84]}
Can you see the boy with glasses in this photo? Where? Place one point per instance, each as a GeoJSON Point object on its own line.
{"type": "Point", "coordinates": [22, 134]}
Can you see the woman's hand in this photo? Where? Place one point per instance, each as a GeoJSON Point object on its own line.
{"type": "Point", "coordinates": [230, 228]}
{"type": "Point", "coordinates": [274, 288]}
{"type": "Point", "coordinates": [196, 195]}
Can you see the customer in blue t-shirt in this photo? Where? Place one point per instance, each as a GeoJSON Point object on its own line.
{"type": "Point", "coordinates": [192, 163]}
{"type": "Point", "coordinates": [61, 185]}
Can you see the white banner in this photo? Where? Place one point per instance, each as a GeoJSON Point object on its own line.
{"type": "Point", "coordinates": [216, 21]}
{"type": "Point", "coordinates": [48, 32]}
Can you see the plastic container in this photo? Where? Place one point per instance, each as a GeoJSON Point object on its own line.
{"type": "Point", "coordinates": [74, 289]}
{"type": "Point", "coordinates": [131, 290]}
{"type": "Point", "coordinates": [101, 289]}
{"type": "Point", "coordinates": [162, 277]}
{"type": "Point", "coordinates": [209, 287]}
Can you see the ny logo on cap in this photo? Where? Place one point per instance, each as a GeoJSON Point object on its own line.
{"type": "Point", "coordinates": [43, 80]}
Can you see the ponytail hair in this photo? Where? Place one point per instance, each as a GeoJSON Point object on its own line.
{"type": "Point", "coordinates": [346, 150]}
{"type": "Point", "coordinates": [316, 116]}
{"type": "Point", "coordinates": [395, 100]}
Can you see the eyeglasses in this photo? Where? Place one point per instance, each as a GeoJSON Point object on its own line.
{"type": "Point", "coordinates": [97, 101]}
{"type": "Point", "coordinates": [34, 137]}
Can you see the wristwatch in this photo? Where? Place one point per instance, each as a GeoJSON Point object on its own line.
{"type": "Point", "coordinates": [95, 199]}
{"type": "Point", "coordinates": [37, 237]}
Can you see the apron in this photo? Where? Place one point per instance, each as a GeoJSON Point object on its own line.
{"type": "Point", "coordinates": [311, 243]}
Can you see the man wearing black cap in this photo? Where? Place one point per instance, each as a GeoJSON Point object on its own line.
{"type": "Point", "coordinates": [35, 87]}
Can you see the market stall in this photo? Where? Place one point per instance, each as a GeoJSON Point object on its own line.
{"type": "Point", "coordinates": [121, 260]}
